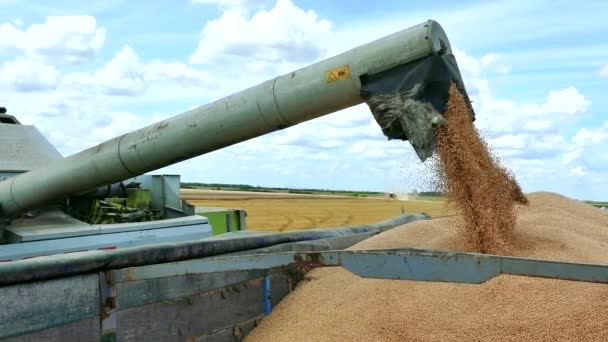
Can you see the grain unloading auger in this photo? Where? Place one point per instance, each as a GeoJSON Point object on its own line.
{"type": "Point", "coordinates": [128, 254]}
{"type": "Point", "coordinates": [417, 62]}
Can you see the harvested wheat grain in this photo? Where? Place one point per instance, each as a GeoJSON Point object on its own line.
{"type": "Point", "coordinates": [338, 306]}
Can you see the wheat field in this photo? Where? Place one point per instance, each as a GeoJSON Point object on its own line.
{"type": "Point", "coordinates": [288, 213]}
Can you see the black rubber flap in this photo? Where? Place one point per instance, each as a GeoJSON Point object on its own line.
{"type": "Point", "coordinates": [426, 80]}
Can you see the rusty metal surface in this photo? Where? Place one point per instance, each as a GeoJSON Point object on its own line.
{"type": "Point", "coordinates": [107, 307]}
{"type": "Point", "coordinates": [86, 330]}
{"type": "Point", "coordinates": [42, 305]}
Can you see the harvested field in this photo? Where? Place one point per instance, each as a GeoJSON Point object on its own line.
{"type": "Point", "coordinates": [205, 194]}
{"type": "Point", "coordinates": [315, 212]}
{"type": "Point", "coordinates": [335, 305]}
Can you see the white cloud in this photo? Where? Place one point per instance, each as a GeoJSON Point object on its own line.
{"type": "Point", "coordinates": [27, 75]}
{"type": "Point", "coordinates": [321, 156]}
{"type": "Point", "coordinates": [571, 156]}
{"type": "Point", "coordinates": [587, 136]}
{"type": "Point", "coordinates": [73, 120]}
{"type": "Point", "coordinates": [604, 71]}
{"type": "Point", "coordinates": [333, 130]}
{"type": "Point", "coordinates": [123, 75]}
{"type": "Point", "coordinates": [126, 75]}
{"type": "Point", "coordinates": [578, 171]}
{"type": "Point", "coordinates": [286, 33]}
{"type": "Point", "coordinates": [61, 39]}
{"type": "Point", "coordinates": [500, 116]}
{"type": "Point", "coordinates": [379, 149]}
{"type": "Point", "coordinates": [568, 101]}
{"type": "Point", "coordinates": [494, 62]}
{"type": "Point", "coordinates": [178, 72]}
{"type": "Point", "coordinates": [472, 69]}
{"type": "Point", "coordinates": [530, 146]}
{"type": "Point", "coordinates": [517, 142]}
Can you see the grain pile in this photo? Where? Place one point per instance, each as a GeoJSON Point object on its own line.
{"type": "Point", "coordinates": [476, 184]}
{"type": "Point", "coordinates": [335, 305]}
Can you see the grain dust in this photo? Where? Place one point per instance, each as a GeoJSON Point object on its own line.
{"type": "Point", "coordinates": [475, 183]}
{"type": "Point", "coordinates": [338, 306]}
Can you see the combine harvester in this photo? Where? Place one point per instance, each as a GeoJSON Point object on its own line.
{"type": "Point", "coordinates": [95, 250]}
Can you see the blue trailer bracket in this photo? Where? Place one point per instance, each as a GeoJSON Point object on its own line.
{"type": "Point", "coordinates": [404, 264]}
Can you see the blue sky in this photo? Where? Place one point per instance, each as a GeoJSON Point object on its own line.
{"type": "Point", "coordinates": [84, 72]}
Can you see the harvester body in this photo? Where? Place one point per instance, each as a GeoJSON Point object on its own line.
{"type": "Point", "coordinates": [93, 248]}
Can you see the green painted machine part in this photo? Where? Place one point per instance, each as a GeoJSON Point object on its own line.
{"type": "Point", "coordinates": [224, 220]}
{"type": "Point", "coordinates": [135, 207]}
{"type": "Point", "coordinates": [138, 198]}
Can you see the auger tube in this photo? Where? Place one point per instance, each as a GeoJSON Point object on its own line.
{"type": "Point", "coordinates": [311, 92]}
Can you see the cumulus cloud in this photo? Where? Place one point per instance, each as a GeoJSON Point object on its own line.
{"type": "Point", "coordinates": [126, 75]}
{"type": "Point", "coordinates": [73, 120]}
{"type": "Point", "coordinates": [568, 101]}
{"type": "Point", "coordinates": [604, 71]}
{"type": "Point", "coordinates": [321, 156]}
{"type": "Point", "coordinates": [377, 149]}
{"type": "Point", "coordinates": [286, 33]}
{"type": "Point", "coordinates": [60, 39]}
{"type": "Point", "coordinates": [578, 171]}
{"type": "Point", "coordinates": [588, 149]}
{"type": "Point", "coordinates": [500, 116]}
{"type": "Point", "coordinates": [26, 75]}
{"type": "Point", "coordinates": [571, 156]}
{"type": "Point", "coordinates": [123, 74]}
{"type": "Point", "coordinates": [324, 134]}
{"type": "Point", "coordinates": [177, 71]}
{"type": "Point", "coordinates": [586, 136]}
{"type": "Point", "coordinates": [473, 69]}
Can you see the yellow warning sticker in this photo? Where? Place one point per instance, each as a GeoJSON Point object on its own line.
{"type": "Point", "coordinates": [339, 73]}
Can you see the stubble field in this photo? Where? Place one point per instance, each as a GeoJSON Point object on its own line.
{"type": "Point", "coordinates": [288, 212]}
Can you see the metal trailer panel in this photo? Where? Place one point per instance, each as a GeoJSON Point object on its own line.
{"type": "Point", "coordinates": [51, 227]}
{"type": "Point", "coordinates": [170, 283]}
{"type": "Point", "coordinates": [211, 297]}
{"type": "Point", "coordinates": [400, 264]}
{"type": "Point", "coordinates": [201, 316]}
{"type": "Point", "coordinates": [46, 304]}
{"type": "Point", "coordinates": [86, 330]}
{"type": "Point", "coordinates": [68, 264]}
{"type": "Point", "coordinates": [232, 293]}
{"type": "Point", "coordinates": [337, 243]}
{"type": "Point", "coordinates": [139, 238]}
{"type": "Point", "coordinates": [148, 291]}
